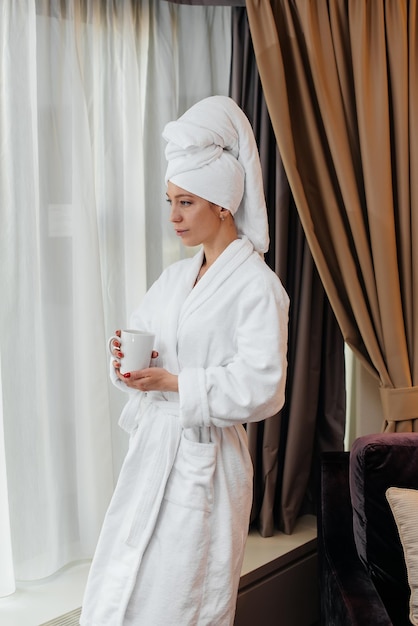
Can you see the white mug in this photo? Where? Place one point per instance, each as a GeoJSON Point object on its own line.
{"type": "Point", "coordinates": [136, 346]}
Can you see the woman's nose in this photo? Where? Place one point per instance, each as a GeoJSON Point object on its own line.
{"type": "Point", "coordinates": [175, 215]}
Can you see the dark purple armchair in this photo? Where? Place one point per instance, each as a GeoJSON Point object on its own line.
{"type": "Point", "coordinates": [362, 571]}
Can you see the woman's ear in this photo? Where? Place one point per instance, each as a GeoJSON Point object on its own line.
{"type": "Point", "coordinates": [223, 213]}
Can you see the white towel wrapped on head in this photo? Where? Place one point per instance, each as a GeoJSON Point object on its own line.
{"type": "Point", "coordinates": [212, 153]}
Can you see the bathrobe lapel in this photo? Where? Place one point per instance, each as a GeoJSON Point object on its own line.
{"type": "Point", "coordinates": [170, 320]}
{"type": "Point", "coordinates": [225, 265]}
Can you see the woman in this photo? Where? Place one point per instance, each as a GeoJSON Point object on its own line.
{"type": "Point", "coordinates": [172, 543]}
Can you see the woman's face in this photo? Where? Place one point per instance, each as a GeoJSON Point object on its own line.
{"type": "Point", "coordinates": [196, 221]}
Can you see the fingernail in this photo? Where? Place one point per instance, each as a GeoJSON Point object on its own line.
{"type": "Point", "coordinates": [120, 354]}
{"type": "Point", "coordinates": [127, 375]}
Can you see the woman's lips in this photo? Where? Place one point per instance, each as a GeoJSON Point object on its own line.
{"type": "Point", "coordinates": [181, 232]}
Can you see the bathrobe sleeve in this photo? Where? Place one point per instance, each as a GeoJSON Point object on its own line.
{"type": "Point", "coordinates": [251, 386]}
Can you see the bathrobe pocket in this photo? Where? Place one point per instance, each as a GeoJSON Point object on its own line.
{"type": "Point", "coordinates": [190, 483]}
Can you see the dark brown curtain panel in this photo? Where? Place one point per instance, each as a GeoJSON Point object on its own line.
{"type": "Point", "coordinates": [286, 448]}
{"type": "Point", "coordinates": [340, 79]}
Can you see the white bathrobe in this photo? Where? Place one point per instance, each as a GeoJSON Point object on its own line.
{"type": "Point", "coordinates": [171, 548]}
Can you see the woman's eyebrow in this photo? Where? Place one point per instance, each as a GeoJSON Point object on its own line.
{"type": "Point", "coordinates": [179, 195]}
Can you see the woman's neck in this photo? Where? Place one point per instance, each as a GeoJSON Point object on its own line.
{"type": "Point", "coordinates": [215, 249]}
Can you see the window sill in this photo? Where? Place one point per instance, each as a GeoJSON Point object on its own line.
{"type": "Point", "coordinates": [37, 603]}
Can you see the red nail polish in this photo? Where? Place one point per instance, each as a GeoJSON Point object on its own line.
{"type": "Point", "coordinates": [120, 355]}
{"type": "Point", "coordinates": [127, 375]}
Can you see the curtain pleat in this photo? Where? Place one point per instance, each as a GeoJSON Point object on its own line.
{"type": "Point", "coordinates": [285, 448]}
{"type": "Point", "coordinates": [341, 89]}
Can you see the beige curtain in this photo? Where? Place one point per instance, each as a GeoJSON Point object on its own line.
{"type": "Point", "coordinates": [340, 79]}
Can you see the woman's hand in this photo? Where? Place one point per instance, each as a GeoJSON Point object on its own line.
{"type": "Point", "coordinates": [116, 345]}
{"type": "Point", "coordinates": [150, 379]}
{"type": "Point", "coordinates": [116, 351]}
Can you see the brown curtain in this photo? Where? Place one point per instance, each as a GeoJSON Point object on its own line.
{"type": "Point", "coordinates": [340, 79]}
{"type": "Point", "coordinates": [286, 448]}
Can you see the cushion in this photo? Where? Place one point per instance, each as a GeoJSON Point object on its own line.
{"type": "Point", "coordinates": [404, 505]}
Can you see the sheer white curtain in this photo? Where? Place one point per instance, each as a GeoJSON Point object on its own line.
{"type": "Point", "coordinates": [189, 59]}
{"type": "Point", "coordinates": [85, 89]}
